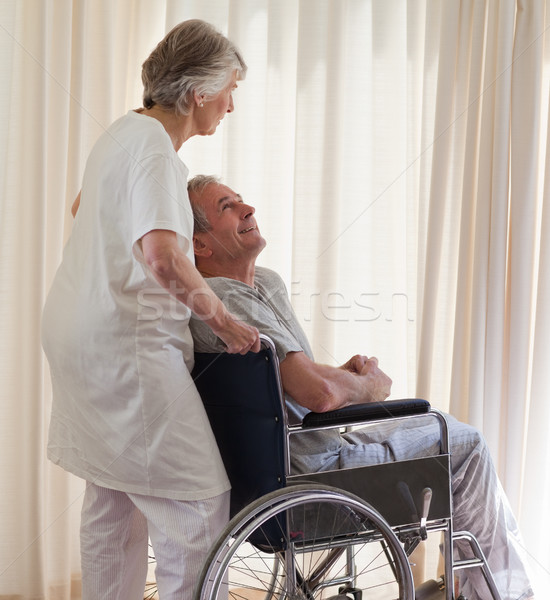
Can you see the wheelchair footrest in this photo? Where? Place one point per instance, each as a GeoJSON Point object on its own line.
{"type": "Point", "coordinates": [350, 592]}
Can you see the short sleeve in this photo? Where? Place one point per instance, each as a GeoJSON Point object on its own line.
{"type": "Point", "coordinates": [159, 200]}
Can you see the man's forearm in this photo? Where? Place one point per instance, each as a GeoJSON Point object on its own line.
{"type": "Point", "coordinates": [321, 388]}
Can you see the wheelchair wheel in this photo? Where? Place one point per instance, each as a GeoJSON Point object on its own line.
{"type": "Point", "coordinates": [307, 542]}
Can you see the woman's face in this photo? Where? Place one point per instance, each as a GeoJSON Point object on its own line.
{"type": "Point", "coordinates": [214, 109]}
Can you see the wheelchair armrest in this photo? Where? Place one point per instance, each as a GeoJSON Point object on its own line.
{"type": "Point", "coordinates": [358, 413]}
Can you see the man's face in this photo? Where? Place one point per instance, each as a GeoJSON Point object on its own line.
{"type": "Point", "coordinates": [234, 234]}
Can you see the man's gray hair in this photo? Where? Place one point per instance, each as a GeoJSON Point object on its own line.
{"type": "Point", "coordinates": [193, 57]}
{"type": "Point", "coordinates": [197, 185]}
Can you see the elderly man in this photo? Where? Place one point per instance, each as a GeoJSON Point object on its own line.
{"type": "Point", "coordinates": [227, 242]}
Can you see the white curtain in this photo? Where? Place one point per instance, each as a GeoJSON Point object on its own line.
{"type": "Point", "coordinates": [395, 151]}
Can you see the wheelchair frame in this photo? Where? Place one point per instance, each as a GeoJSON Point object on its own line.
{"type": "Point", "coordinates": [270, 497]}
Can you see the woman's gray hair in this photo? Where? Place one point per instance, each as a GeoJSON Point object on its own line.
{"type": "Point", "coordinates": [193, 57]}
{"type": "Point", "coordinates": [196, 185]}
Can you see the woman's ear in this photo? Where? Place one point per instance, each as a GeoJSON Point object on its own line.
{"type": "Point", "coordinates": [200, 248]}
{"type": "Point", "coordinates": [198, 99]}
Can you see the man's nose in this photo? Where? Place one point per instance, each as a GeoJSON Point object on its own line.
{"type": "Point", "coordinates": [247, 211]}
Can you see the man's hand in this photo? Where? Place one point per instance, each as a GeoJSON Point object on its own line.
{"type": "Point", "coordinates": [377, 382]}
{"type": "Point", "coordinates": [355, 364]}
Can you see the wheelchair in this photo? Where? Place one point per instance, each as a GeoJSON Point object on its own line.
{"type": "Point", "coordinates": [343, 535]}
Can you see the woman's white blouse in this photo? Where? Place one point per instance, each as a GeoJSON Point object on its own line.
{"type": "Point", "coordinates": [126, 414]}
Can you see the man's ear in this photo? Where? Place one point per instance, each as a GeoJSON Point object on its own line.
{"type": "Point", "coordinates": [200, 248]}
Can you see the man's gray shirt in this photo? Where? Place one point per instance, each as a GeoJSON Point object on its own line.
{"type": "Point", "coordinates": [266, 306]}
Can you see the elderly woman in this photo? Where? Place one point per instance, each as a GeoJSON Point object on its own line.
{"type": "Point", "coordinates": [126, 416]}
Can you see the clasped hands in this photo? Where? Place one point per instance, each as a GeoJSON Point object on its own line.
{"type": "Point", "coordinates": [378, 383]}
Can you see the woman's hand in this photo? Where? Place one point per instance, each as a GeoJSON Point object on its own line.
{"type": "Point", "coordinates": [238, 337]}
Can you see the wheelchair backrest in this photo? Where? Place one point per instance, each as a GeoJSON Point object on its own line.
{"type": "Point", "coordinates": [242, 398]}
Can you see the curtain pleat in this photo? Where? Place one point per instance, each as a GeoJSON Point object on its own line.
{"type": "Point", "coordinates": [35, 151]}
{"type": "Point", "coordinates": [534, 519]}
{"type": "Point", "coordinates": [525, 198]}
{"type": "Point", "coordinates": [396, 154]}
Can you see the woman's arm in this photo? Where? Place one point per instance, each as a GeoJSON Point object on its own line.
{"type": "Point", "coordinates": [176, 273]}
{"type": "Point", "coordinates": [76, 204]}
